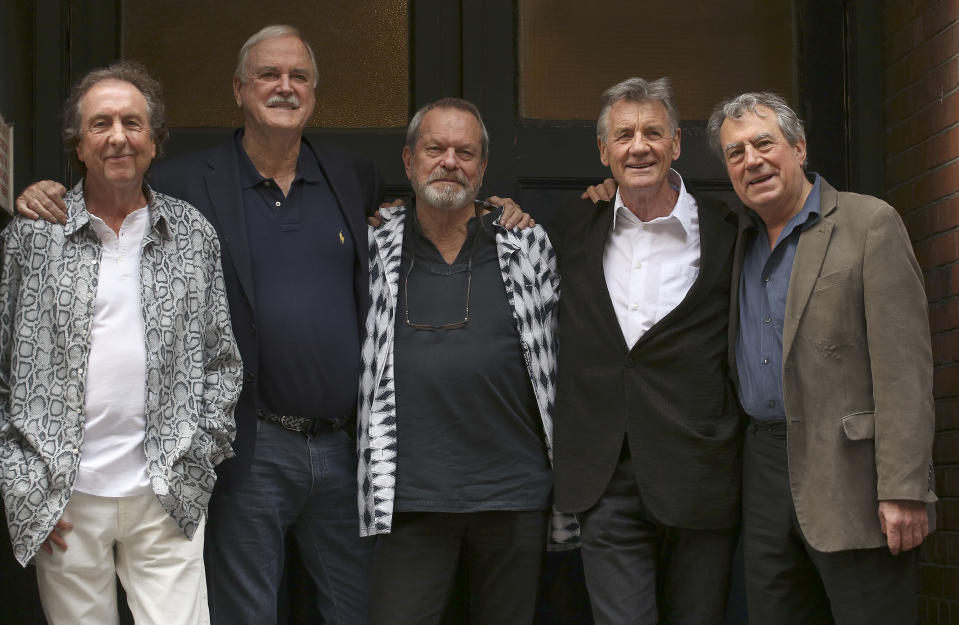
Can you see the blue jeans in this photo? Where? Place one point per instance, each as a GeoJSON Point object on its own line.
{"type": "Point", "coordinates": [303, 485]}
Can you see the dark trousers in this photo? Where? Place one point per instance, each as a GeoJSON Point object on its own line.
{"type": "Point", "coordinates": [790, 583]}
{"type": "Point", "coordinates": [414, 566]}
{"type": "Point", "coordinates": [297, 485]}
{"type": "Point", "coordinates": [640, 572]}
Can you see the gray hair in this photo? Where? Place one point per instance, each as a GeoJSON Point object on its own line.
{"type": "Point", "coordinates": [734, 108]}
{"type": "Point", "coordinates": [125, 71]}
{"type": "Point", "coordinates": [637, 90]}
{"type": "Point", "coordinates": [413, 130]}
{"type": "Point", "coordinates": [271, 32]}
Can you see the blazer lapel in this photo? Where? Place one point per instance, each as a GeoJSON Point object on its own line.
{"type": "Point", "coordinates": [595, 274]}
{"type": "Point", "coordinates": [223, 186]}
{"type": "Point", "coordinates": [716, 238]}
{"type": "Point", "coordinates": [739, 254]}
{"type": "Point", "coordinates": [810, 254]}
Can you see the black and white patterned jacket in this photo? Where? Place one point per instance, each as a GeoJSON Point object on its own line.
{"type": "Point", "coordinates": [528, 266]}
{"type": "Point", "coordinates": [47, 295]}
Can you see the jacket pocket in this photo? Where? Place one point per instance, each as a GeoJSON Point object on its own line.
{"type": "Point", "coordinates": [832, 279]}
{"type": "Point", "coordinates": [859, 426]}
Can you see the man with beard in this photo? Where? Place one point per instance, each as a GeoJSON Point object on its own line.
{"type": "Point", "coordinates": [458, 387]}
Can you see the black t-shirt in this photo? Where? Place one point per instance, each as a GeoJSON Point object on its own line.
{"type": "Point", "coordinates": [469, 434]}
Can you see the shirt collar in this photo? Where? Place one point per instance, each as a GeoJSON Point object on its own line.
{"type": "Point", "coordinates": [307, 166]}
{"type": "Point", "coordinates": [807, 215]}
{"type": "Point", "coordinates": [78, 216]}
{"type": "Point", "coordinates": [684, 212]}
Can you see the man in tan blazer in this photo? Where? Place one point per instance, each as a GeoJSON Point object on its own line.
{"type": "Point", "coordinates": [829, 345]}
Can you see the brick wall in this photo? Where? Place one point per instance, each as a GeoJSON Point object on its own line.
{"type": "Point", "coordinates": [920, 44]}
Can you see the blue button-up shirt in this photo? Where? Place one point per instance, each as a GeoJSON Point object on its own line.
{"type": "Point", "coordinates": [763, 287]}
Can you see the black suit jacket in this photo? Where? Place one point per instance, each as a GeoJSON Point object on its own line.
{"type": "Point", "coordinates": [210, 181]}
{"type": "Point", "coordinates": [670, 394]}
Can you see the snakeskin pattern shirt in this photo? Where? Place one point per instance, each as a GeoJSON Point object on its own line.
{"type": "Point", "coordinates": [528, 266]}
{"type": "Point", "coordinates": [48, 288]}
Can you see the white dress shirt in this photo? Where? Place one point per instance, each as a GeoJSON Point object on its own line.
{"type": "Point", "coordinates": [651, 265]}
{"type": "Point", "coordinates": [112, 460]}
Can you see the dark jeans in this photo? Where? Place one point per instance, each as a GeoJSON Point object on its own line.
{"type": "Point", "coordinates": [790, 583]}
{"type": "Point", "coordinates": [304, 486]}
{"type": "Point", "coordinates": [414, 566]}
{"type": "Point", "coordinates": [640, 572]}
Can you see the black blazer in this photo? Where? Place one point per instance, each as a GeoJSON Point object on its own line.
{"type": "Point", "coordinates": [210, 181]}
{"type": "Point", "coordinates": [670, 395]}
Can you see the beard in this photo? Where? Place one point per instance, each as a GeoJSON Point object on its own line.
{"type": "Point", "coordinates": [448, 196]}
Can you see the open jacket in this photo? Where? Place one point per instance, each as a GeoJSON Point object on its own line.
{"type": "Point", "coordinates": [528, 267]}
{"type": "Point", "coordinates": [857, 371]}
{"type": "Point", "coordinates": [193, 371]}
{"type": "Point", "coordinates": [668, 394]}
{"type": "Point", "coordinates": [210, 181]}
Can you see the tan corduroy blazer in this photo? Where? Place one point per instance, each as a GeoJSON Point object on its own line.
{"type": "Point", "coordinates": [857, 371]}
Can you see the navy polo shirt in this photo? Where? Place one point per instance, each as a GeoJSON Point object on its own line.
{"type": "Point", "coordinates": [303, 261]}
{"type": "Point", "coordinates": [763, 287]}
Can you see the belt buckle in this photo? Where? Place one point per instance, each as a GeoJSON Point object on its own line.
{"type": "Point", "coordinates": [313, 428]}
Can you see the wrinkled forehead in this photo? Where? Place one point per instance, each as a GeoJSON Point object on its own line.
{"type": "Point", "coordinates": [750, 124]}
{"type": "Point", "coordinates": [112, 95]}
{"type": "Point", "coordinates": [285, 51]}
{"type": "Point", "coordinates": [451, 124]}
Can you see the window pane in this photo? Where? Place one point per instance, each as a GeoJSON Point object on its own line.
{"type": "Point", "coordinates": [571, 51]}
{"type": "Point", "coordinates": [361, 48]}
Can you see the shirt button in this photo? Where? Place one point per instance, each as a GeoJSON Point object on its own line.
{"type": "Point", "coordinates": [635, 307]}
{"type": "Point", "coordinates": [765, 361]}
{"type": "Point", "coordinates": [767, 320]}
{"type": "Point", "coordinates": [765, 279]}
{"type": "Point", "coordinates": [771, 403]}
{"type": "Point", "coordinates": [277, 203]}
{"type": "Point", "coordinates": [639, 265]}
{"type": "Point", "coordinates": [266, 183]}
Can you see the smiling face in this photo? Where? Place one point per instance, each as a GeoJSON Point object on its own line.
{"type": "Point", "coordinates": [445, 165]}
{"type": "Point", "coordinates": [278, 90]}
{"type": "Point", "coordinates": [765, 170]}
{"type": "Point", "coordinates": [639, 148]}
{"type": "Point", "coordinates": [116, 143]}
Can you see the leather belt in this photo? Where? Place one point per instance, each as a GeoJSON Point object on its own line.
{"type": "Point", "coordinates": [306, 426]}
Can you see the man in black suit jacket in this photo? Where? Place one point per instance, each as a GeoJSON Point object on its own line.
{"type": "Point", "coordinates": [291, 222]}
{"type": "Point", "coordinates": [647, 426]}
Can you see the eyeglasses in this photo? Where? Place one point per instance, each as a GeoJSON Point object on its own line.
{"type": "Point", "coordinates": [480, 205]}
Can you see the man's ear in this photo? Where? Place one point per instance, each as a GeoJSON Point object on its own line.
{"type": "Point", "coordinates": [800, 148]}
{"type": "Point", "coordinates": [407, 160]}
{"type": "Point", "coordinates": [602, 151]}
{"type": "Point", "coordinates": [236, 91]}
